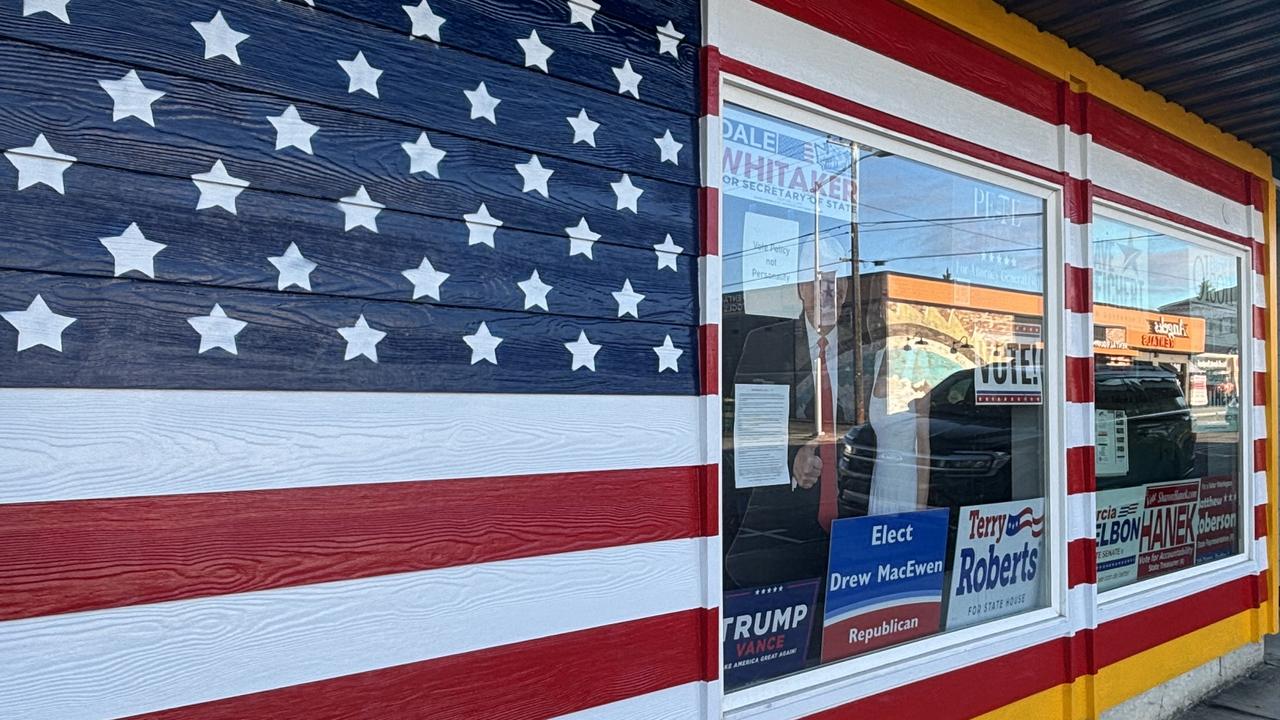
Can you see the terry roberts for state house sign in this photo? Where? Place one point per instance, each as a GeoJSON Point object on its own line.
{"type": "Point", "coordinates": [998, 561]}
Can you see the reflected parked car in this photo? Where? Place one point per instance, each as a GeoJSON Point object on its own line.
{"type": "Point", "coordinates": [967, 453]}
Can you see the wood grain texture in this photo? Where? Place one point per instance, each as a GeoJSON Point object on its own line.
{"type": "Point", "coordinates": [135, 334]}
{"type": "Point", "coordinates": [92, 554]}
{"type": "Point", "coordinates": [133, 660]}
{"type": "Point", "coordinates": [292, 54]}
{"type": "Point", "coordinates": [198, 123]}
{"type": "Point", "coordinates": [631, 24]}
{"type": "Point", "coordinates": [69, 445]}
{"type": "Point", "coordinates": [61, 235]}
{"type": "Point", "coordinates": [640, 670]}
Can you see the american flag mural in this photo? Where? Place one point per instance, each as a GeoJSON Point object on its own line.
{"type": "Point", "coordinates": [350, 361]}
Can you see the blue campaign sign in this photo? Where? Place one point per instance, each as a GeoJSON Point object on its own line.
{"type": "Point", "coordinates": [884, 581]}
{"type": "Point", "coordinates": [766, 631]}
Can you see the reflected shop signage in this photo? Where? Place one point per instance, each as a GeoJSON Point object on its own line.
{"type": "Point", "coordinates": [884, 581]}
{"type": "Point", "coordinates": [766, 630]}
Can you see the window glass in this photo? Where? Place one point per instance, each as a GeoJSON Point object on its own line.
{"type": "Point", "coordinates": [1166, 345]}
{"type": "Point", "coordinates": [884, 463]}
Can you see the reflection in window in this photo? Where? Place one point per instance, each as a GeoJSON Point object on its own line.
{"type": "Point", "coordinates": [883, 422]}
{"type": "Point", "coordinates": [1167, 402]}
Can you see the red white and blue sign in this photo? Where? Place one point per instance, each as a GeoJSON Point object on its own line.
{"type": "Point", "coordinates": [766, 631]}
{"type": "Point", "coordinates": [884, 581]}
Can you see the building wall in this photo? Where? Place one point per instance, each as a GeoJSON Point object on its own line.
{"type": "Point", "coordinates": [275, 527]}
{"type": "Point", "coordinates": [971, 79]}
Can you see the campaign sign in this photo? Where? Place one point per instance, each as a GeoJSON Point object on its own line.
{"type": "Point", "coordinates": [1012, 380]}
{"type": "Point", "coordinates": [1217, 518]}
{"type": "Point", "coordinates": [1118, 528]}
{"type": "Point", "coordinates": [998, 557]}
{"type": "Point", "coordinates": [884, 581]}
{"type": "Point", "coordinates": [1168, 538]}
{"type": "Point", "coordinates": [766, 631]}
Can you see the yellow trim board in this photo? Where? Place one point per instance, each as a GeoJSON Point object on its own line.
{"type": "Point", "coordinates": [994, 26]}
{"type": "Point", "coordinates": [1089, 696]}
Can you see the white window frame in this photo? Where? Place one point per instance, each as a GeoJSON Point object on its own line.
{"type": "Point", "coordinates": [1134, 597]}
{"type": "Point", "coordinates": [840, 682]}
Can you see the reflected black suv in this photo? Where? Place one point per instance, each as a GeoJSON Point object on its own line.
{"type": "Point", "coordinates": [972, 452]}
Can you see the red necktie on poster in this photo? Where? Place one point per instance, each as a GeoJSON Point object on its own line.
{"type": "Point", "coordinates": [828, 491]}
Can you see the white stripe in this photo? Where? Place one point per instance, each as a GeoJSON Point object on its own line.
{"type": "Point", "coordinates": [709, 130]}
{"type": "Point", "coordinates": [1259, 290]}
{"type": "Point", "coordinates": [1117, 171]}
{"type": "Point", "coordinates": [1079, 425]}
{"type": "Point", "coordinates": [66, 444]}
{"type": "Point", "coordinates": [1079, 330]}
{"type": "Point", "coordinates": [1258, 224]}
{"type": "Point", "coordinates": [709, 289]}
{"type": "Point", "coordinates": [1081, 516]}
{"type": "Point", "coordinates": [712, 428]}
{"type": "Point", "coordinates": [1260, 555]}
{"type": "Point", "coordinates": [1260, 487]}
{"type": "Point", "coordinates": [131, 660]}
{"type": "Point", "coordinates": [1081, 606]}
{"type": "Point", "coordinates": [677, 703]}
{"type": "Point", "coordinates": [1075, 152]}
{"type": "Point", "coordinates": [1259, 413]}
{"type": "Point", "coordinates": [1259, 354]}
{"type": "Point", "coordinates": [1077, 244]}
{"type": "Point", "coordinates": [751, 33]}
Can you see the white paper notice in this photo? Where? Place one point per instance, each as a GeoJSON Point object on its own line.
{"type": "Point", "coordinates": [760, 424]}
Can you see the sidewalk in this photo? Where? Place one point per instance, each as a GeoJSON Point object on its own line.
{"type": "Point", "coordinates": [1256, 696]}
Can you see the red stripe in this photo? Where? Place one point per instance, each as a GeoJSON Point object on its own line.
{"type": "Point", "coordinates": [1260, 454]}
{"type": "Point", "coordinates": [899, 33]}
{"type": "Point", "coordinates": [709, 80]}
{"type": "Point", "coordinates": [1260, 515]}
{"type": "Point", "coordinates": [1079, 379]}
{"type": "Point", "coordinates": [86, 554]}
{"type": "Point", "coordinates": [1081, 470]}
{"type": "Point", "coordinates": [1124, 133]}
{"type": "Point", "coordinates": [1078, 201]}
{"type": "Point", "coordinates": [887, 121]}
{"type": "Point", "coordinates": [710, 494]}
{"type": "Point", "coordinates": [1082, 562]}
{"type": "Point", "coordinates": [531, 680]}
{"type": "Point", "coordinates": [1132, 634]}
{"type": "Point", "coordinates": [1259, 388]}
{"type": "Point", "coordinates": [709, 361]}
{"type": "Point", "coordinates": [971, 691]}
{"type": "Point", "coordinates": [709, 219]}
{"type": "Point", "coordinates": [1079, 289]}
{"type": "Point", "coordinates": [1259, 258]}
{"type": "Point", "coordinates": [1075, 109]}
{"type": "Point", "coordinates": [1259, 322]}
{"type": "Point", "coordinates": [1258, 193]}
{"type": "Point", "coordinates": [1156, 210]}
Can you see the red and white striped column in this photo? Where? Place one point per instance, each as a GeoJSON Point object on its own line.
{"type": "Point", "coordinates": [709, 280]}
{"type": "Point", "coordinates": [1258, 192]}
{"type": "Point", "coordinates": [1082, 589]}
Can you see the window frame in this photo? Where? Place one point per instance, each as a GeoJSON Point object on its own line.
{"type": "Point", "coordinates": [1126, 599]}
{"type": "Point", "coordinates": [809, 690]}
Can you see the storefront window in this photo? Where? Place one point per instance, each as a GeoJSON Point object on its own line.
{"type": "Point", "coordinates": [1167, 334]}
{"type": "Point", "coordinates": [884, 463]}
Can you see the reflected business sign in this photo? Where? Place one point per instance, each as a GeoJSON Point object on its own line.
{"type": "Point", "coordinates": [998, 558]}
{"type": "Point", "coordinates": [884, 581]}
{"type": "Point", "coordinates": [766, 630]}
